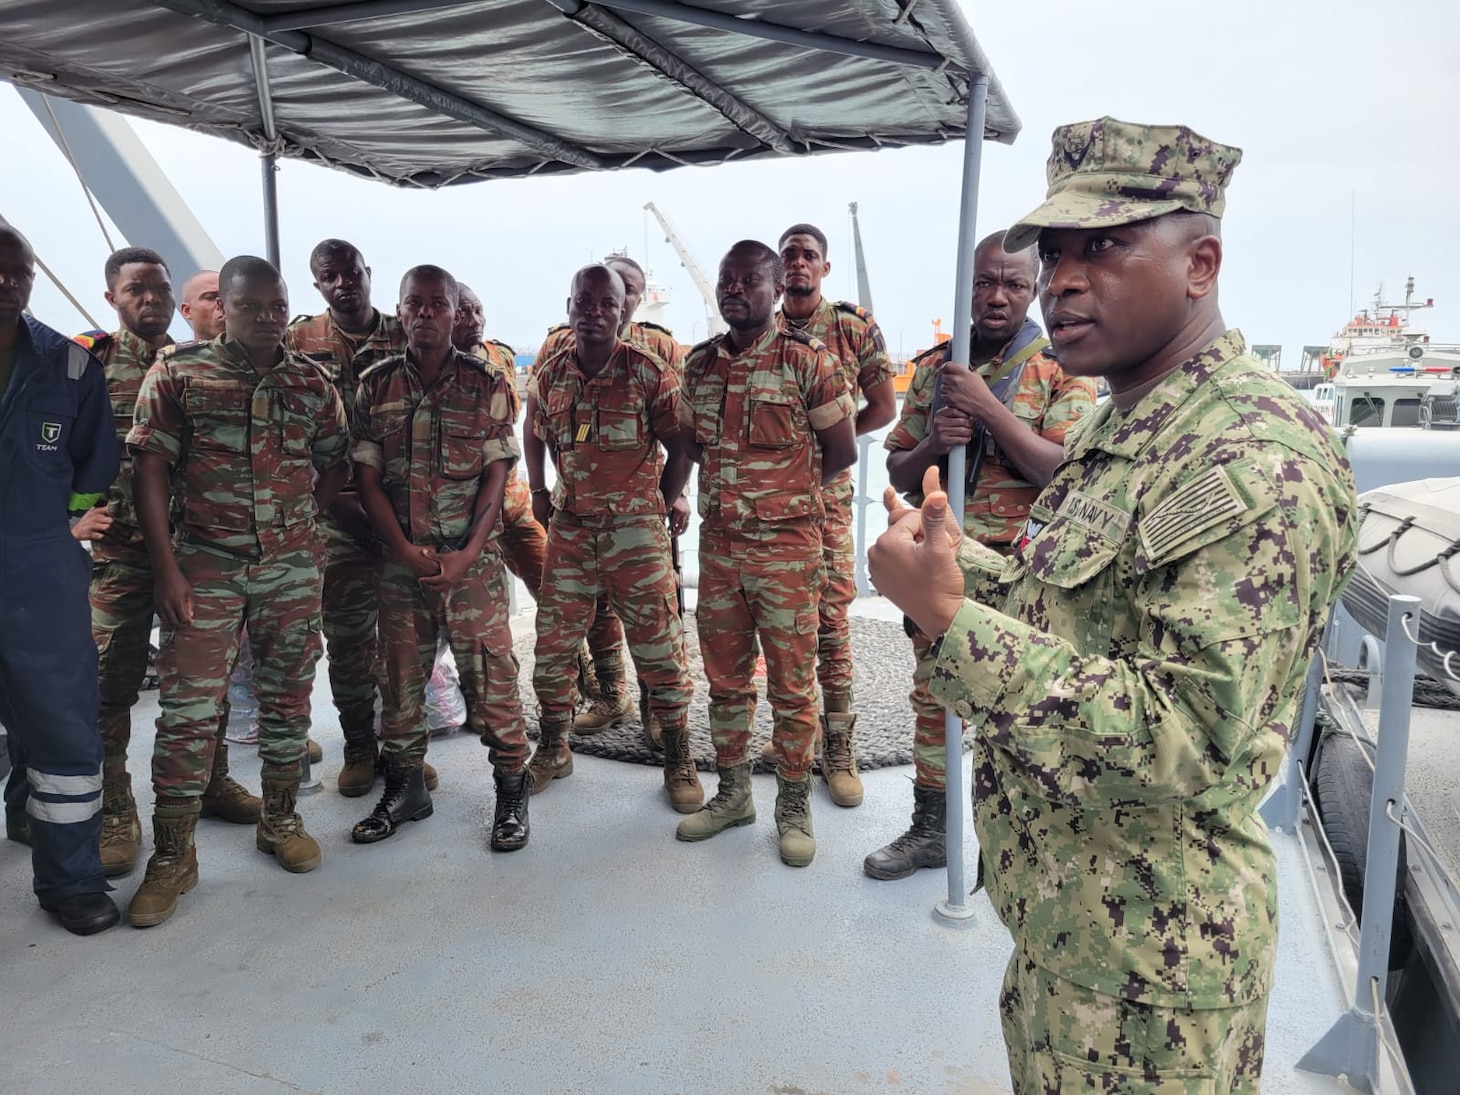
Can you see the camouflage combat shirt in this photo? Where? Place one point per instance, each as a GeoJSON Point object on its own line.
{"type": "Point", "coordinates": [127, 357]}
{"type": "Point", "coordinates": [753, 414]}
{"type": "Point", "coordinates": [243, 447]}
{"type": "Point", "coordinates": [1046, 400]}
{"type": "Point", "coordinates": [1134, 700]}
{"type": "Point", "coordinates": [649, 337]}
{"type": "Point", "coordinates": [433, 445]}
{"type": "Point", "coordinates": [606, 431]}
{"type": "Point", "coordinates": [345, 357]}
{"type": "Point", "coordinates": [502, 360]}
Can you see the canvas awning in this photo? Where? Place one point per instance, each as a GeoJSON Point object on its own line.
{"type": "Point", "coordinates": [436, 92]}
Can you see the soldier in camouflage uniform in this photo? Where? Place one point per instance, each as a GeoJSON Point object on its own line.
{"type": "Point", "coordinates": [772, 425]}
{"type": "Point", "coordinates": [433, 450]}
{"type": "Point", "coordinates": [1134, 697]}
{"type": "Point", "coordinates": [344, 340]}
{"type": "Point", "coordinates": [238, 428]}
{"type": "Point", "coordinates": [1023, 435]}
{"type": "Point", "coordinates": [849, 332]}
{"type": "Point", "coordinates": [603, 408]}
{"type": "Point", "coordinates": [605, 686]}
{"type": "Point", "coordinates": [139, 288]}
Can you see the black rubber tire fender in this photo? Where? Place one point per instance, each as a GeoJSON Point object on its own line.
{"type": "Point", "coordinates": [1343, 787]}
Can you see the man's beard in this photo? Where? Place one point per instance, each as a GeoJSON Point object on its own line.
{"type": "Point", "coordinates": [799, 291]}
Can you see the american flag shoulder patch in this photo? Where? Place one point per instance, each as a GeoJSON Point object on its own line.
{"type": "Point", "coordinates": [1208, 500]}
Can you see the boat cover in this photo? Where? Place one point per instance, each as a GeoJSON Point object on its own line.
{"type": "Point", "coordinates": [435, 92]}
{"type": "Point", "coordinates": [1409, 542]}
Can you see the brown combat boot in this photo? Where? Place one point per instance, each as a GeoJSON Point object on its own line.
{"type": "Point", "coordinates": [362, 760]}
{"type": "Point", "coordinates": [839, 759]}
{"type": "Point", "coordinates": [612, 704]}
{"type": "Point", "coordinates": [121, 830]}
{"type": "Point", "coordinates": [681, 778]}
{"type": "Point", "coordinates": [224, 797]}
{"type": "Point", "coordinates": [648, 721]}
{"type": "Point", "coordinates": [552, 759]}
{"type": "Point", "coordinates": [281, 830]}
{"type": "Point", "coordinates": [172, 869]}
{"type": "Point", "coordinates": [586, 690]}
{"type": "Point", "coordinates": [315, 751]}
{"type": "Point", "coordinates": [793, 820]}
{"type": "Point", "coordinates": [731, 806]}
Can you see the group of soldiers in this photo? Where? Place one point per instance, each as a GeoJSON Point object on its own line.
{"type": "Point", "coordinates": [1124, 619]}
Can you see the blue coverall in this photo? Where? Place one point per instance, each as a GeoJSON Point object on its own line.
{"type": "Point", "coordinates": [58, 454]}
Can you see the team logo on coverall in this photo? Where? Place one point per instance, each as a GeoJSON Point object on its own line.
{"type": "Point", "coordinates": [50, 431]}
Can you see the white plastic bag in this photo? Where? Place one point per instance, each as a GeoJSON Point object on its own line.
{"type": "Point", "coordinates": [445, 705]}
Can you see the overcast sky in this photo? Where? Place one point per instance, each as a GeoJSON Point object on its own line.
{"type": "Point", "coordinates": [1337, 106]}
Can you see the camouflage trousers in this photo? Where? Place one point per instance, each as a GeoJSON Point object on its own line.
{"type": "Point", "coordinates": [121, 626]}
{"type": "Point", "coordinates": [524, 550]}
{"type": "Point", "coordinates": [753, 594]}
{"type": "Point", "coordinates": [349, 608]}
{"type": "Point", "coordinates": [624, 566]}
{"type": "Point", "coordinates": [473, 615]}
{"type": "Point", "coordinates": [834, 628]}
{"type": "Point", "coordinates": [1062, 1037]}
{"type": "Point", "coordinates": [277, 598]}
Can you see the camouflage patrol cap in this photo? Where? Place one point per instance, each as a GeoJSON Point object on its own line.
{"type": "Point", "coordinates": [1108, 172]}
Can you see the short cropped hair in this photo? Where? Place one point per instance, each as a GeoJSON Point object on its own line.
{"type": "Point", "coordinates": [117, 259]}
{"type": "Point", "coordinates": [766, 255]}
{"type": "Point", "coordinates": [427, 272]}
{"type": "Point", "coordinates": [245, 266]}
{"type": "Point", "coordinates": [804, 230]}
{"type": "Point", "coordinates": [327, 248]}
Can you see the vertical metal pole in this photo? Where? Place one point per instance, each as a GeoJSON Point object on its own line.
{"type": "Point", "coordinates": [864, 450]}
{"type": "Point", "coordinates": [955, 909]}
{"type": "Point", "coordinates": [1352, 1045]}
{"type": "Point", "coordinates": [271, 209]}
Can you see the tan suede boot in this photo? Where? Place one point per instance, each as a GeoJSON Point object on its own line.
{"type": "Point", "coordinates": [613, 705]}
{"type": "Point", "coordinates": [552, 759]}
{"type": "Point", "coordinates": [793, 820]}
{"type": "Point", "coordinates": [839, 758]}
{"type": "Point", "coordinates": [281, 830]}
{"type": "Point", "coordinates": [172, 869]}
{"type": "Point", "coordinates": [681, 778]}
{"type": "Point", "coordinates": [731, 806]}
{"type": "Point", "coordinates": [121, 831]}
{"type": "Point", "coordinates": [224, 797]}
{"type": "Point", "coordinates": [362, 759]}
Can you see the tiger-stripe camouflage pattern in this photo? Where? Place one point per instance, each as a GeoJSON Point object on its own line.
{"type": "Point", "coordinates": [607, 542]}
{"type": "Point", "coordinates": [351, 561]}
{"type": "Point", "coordinates": [848, 331]}
{"type": "Point", "coordinates": [244, 449]}
{"type": "Point", "coordinates": [753, 414]}
{"type": "Point", "coordinates": [432, 449]}
{"type": "Point", "coordinates": [1049, 403]}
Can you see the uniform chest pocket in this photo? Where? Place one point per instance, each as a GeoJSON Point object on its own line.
{"type": "Point", "coordinates": [124, 405]}
{"type": "Point", "coordinates": [48, 434]}
{"type": "Point", "coordinates": [619, 429]}
{"type": "Point", "coordinates": [461, 451]}
{"type": "Point", "coordinates": [773, 423]}
{"type": "Point", "coordinates": [559, 410]}
{"type": "Point", "coordinates": [219, 417]}
{"type": "Point", "coordinates": [707, 405]}
{"type": "Point", "coordinates": [1082, 564]}
{"type": "Point", "coordinates": [297, 416]}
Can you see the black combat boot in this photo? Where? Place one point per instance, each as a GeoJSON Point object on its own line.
{"type": "Point", "coordinates": [924, 845]}
{"type": "Point", "coordinates": [509, 821]}
{"type": "Point", "coordinates": [405, 799]}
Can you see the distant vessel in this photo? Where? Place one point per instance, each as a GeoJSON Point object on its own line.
{"type": "Point", "coordinates": [1382, 371]}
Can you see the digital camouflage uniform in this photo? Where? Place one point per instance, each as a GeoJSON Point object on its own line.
{"type": "Point", "coordinates": [848, 331]}
{"type": "Point", "coordinates": [1046, 401]}
{"type": "Point", "coordinates": [243, 450]}
{"type": "Point", "coordinates": [607, 540]}
{"type": "Point", "coordinates": [761, 570]}
{"type": "Point", "coordinates": [1133, 704]}
{"type": "Point", "coordinates": [432, 448]}
{"type": "Point", "coordinates": [606, 632]}
{"type": "Point", "coordinates": [351, 566]}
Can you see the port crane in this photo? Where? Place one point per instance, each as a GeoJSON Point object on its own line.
{"type": "Point", "coordinates": [864, 287]}
{"type": "Point", "coordinates": [714, 324]}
